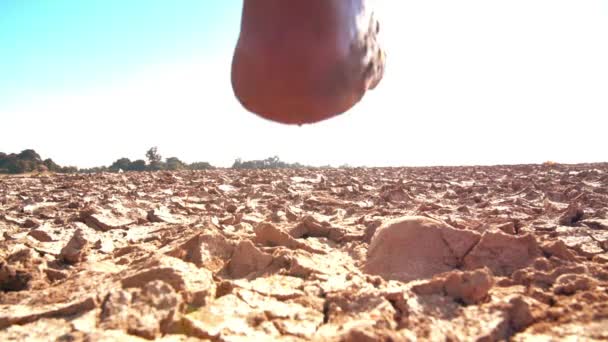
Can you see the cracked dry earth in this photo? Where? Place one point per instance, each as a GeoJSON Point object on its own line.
{"type": "Point", "coordinates": [464, 253]}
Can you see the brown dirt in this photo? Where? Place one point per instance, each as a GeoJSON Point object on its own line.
{"type": "Point", "coordinates": [463, 253]}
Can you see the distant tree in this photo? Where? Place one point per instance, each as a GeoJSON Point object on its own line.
{"type": "Point", "coordinates": [68, 169]}
{"type": "Point", "coordinates": [200, 166]}
{"type": "Point", "coordinates": [268, 163]}
{"type": "Point", "coordinates": [173, 163]}
{"type": "Point", "coordinates": [29, 155]}
{"type": "Point", "coordinates": [26, 161]}
{"type": "Point", "coordinates": [29, 161]}
{"type": "Point", "coordinates": [121, 164]}
{"type": "Point", "coordinates": [95, 169]}
{"type": "Point", "coordinates": [154, 159]}
{"type": "Point", "coordinates": [41, 168]}
{"type": "Point", "coordinates": [272, 163]}
{"type": "Point", "coordinates": [14, 165]}
{"type": "Point", "coordinates": [138, 165]}
{"type": "Point", "coordinates": [238, 163]}
{"type": "Point", "coordinates": [51, 165]}
{"type": "Point", "coordinates": [4, 158]}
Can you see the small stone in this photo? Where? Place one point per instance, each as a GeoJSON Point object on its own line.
{"type": "Point", "coordinates": [147, 313]}
{"type": "Point", "coordinates": [31, 223]}
{"type": "Point", "coordinates": [161, 215]}
{"type": "Point", "coordinates": [231, 208]}
{"type": "Point", "coordinates": [569, 284]}
{"type": "Point", "coordinates": [469, 287]}
{"type": "Point", "coordinates": [508, 228]}
{"type": "Point", "coordinates": [559, 249]}
{"type": "Point", "coordinates": [40, 235]}
{"type": "Point", "coordinates": [269, 235]}
{"type": "Point", "coordinates": [209, 250]}
{"type": "Point", "coordinates": [104, 220]}
{"type": "Point", "coordinates": [572, 215]}
{"type": "Point", "coordinates": [601, 258]}
{"type": "Point", "coordinates": [195, 284]}
{"type": "Point", "coordinates": [76, 249]}
{"type": "Point", "coordinates": [247, 259]}
{"type": "Point", "coordinates": [13, 279]}
{"type": "Point", "coordinates": [520, 313]}
{"type": "Point", "coordinates": [55, 275]}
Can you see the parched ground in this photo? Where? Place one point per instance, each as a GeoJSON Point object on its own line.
{"type": "Point", "coordinates": [463, 253]}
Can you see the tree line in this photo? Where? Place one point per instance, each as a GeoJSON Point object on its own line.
{"type": "Point", "coordinates": [153, 162]}
{"type": "Point", "coordinates": [268, 163]}
{"type": "Point", "coordinates": [30, 161]}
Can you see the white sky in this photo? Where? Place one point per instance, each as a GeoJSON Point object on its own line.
{"type": "Point", "coordinates": [467, 82]}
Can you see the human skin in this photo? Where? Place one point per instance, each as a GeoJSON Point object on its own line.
{"type": "Point", "coordinates": [304, 61]}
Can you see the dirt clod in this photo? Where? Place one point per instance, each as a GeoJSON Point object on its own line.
{"type": "Point", "coordinates": [76, 249]}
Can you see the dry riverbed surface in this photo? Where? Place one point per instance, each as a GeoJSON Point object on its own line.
{"type": "Point", "coordinates": [452, 253]}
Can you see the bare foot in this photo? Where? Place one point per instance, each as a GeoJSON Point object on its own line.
{"type": "Point", "coordinates": [303, 61]}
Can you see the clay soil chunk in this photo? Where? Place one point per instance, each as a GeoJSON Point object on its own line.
{"type": "Point", "coordinates": [412, 248]}
{"type": "Point", "coordinates": [503, 253]}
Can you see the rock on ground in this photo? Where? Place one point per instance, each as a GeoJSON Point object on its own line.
{"type": "Point", "coordinates": [417, 248]}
